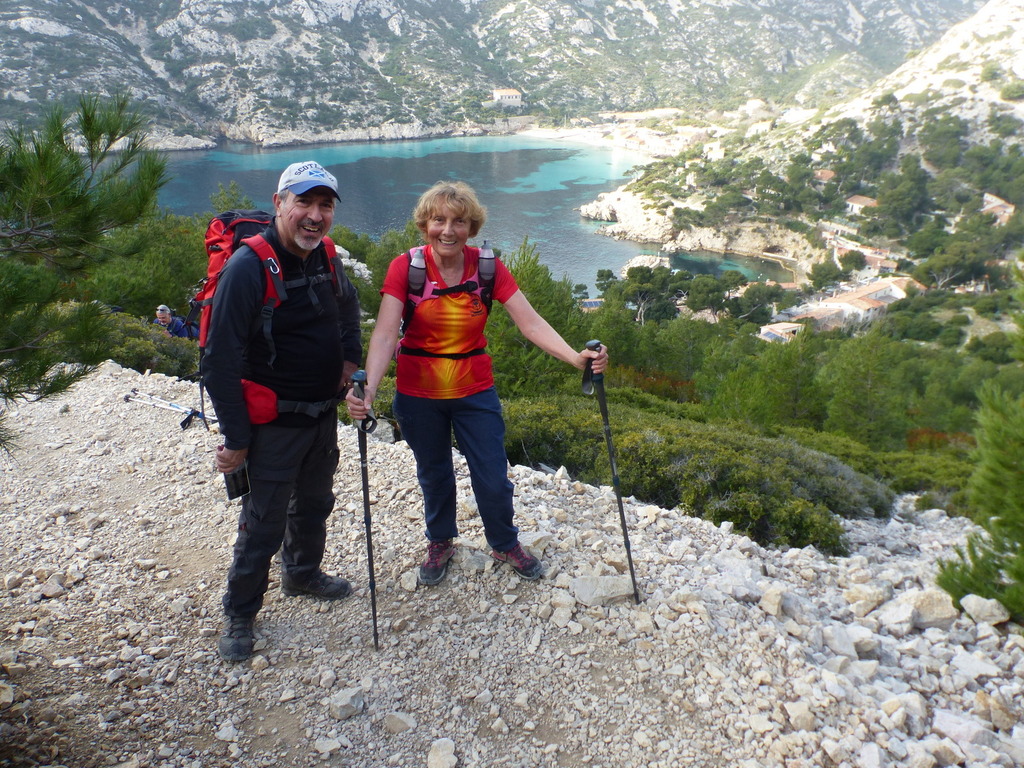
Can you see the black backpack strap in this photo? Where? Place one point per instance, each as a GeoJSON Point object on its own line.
{"type": "Point", "coordinates": [276, 290]}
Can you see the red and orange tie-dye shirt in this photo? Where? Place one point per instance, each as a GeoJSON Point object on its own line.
{"type": "Point", "coordinates": [449, 324]}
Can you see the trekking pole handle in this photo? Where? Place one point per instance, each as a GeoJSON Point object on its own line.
{"type": "Point", "coordinates": [589, 377]}
{"type": "Point", "coordinates": [369, 423]}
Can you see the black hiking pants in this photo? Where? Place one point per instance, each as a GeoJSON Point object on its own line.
{"type": "Point", "coordinates": [291, 475]}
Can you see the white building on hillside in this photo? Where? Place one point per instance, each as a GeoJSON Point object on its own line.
{"type": "Point", "coordinates": [507, 98]}
{"type": "Point", "coordinates": [869, 302]}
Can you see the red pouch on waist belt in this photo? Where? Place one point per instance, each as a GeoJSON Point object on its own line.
{"type": "Point", "coordinates": [261, 402]}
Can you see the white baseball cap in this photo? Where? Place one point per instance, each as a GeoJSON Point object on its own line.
{"type": "Point", "coordinates": [299, 178]}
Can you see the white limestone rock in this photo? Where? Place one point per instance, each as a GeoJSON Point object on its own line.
{"type": "Point", "coordinates": [399, 722]}
{"type": "Point", "coordinates": [601, 590]}
{"type": "Point", "coordinates": [442, 754]}
{"type": "Point", "coordinates": [962, 729]}
{"type": "Point", "coordinates": [985, 610]}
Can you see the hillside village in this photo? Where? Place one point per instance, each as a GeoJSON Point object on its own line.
{"type": "Point", "coordinates": [658, 206]}
{"type": "Point", "coordinates": [858, 296]}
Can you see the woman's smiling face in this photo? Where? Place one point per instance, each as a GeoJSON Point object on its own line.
{"type": "Point", "coordinates": [447, 232]}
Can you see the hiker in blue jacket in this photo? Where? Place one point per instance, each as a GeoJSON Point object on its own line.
{"type": "Point", "coordinates": [172, 325]}
{"type": "Point", "coordinates": [296, 368]}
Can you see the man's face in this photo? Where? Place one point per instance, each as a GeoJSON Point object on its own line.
{"type": "Point", "coordinates": [164, 318]}
{"type": "Point", "coordinates": [304, 220]}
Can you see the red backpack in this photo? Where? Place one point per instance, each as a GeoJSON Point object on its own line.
{"type": "Point", "coordinates": [224, 234]}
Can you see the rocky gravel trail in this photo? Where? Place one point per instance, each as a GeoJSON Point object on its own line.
{"type": "Point", "coordinates": [116, 541]}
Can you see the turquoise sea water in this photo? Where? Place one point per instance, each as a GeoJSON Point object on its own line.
{"type": "Point", "coordinates": [532, 188]}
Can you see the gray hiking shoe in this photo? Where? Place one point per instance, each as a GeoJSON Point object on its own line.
{"type": "Point", "coordinates": [435, 567]}
{"type": "Point", "coordinates": [237, 641]}
{"type": "Point", "coordinates": [321, 586]}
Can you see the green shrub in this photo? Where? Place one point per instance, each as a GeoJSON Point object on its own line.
{"type": "Point", "coordinates": [911, 471]}
{"type": "Point", "coordinates": [992, 564]}
{"type": "Point", "coordinates": [902, 471]}
{"type": "Point", "coordinates": [774, 490]}
{"type": "Point", "coordinates": [1013, 91]}
{"type": "Point", "coordinates": [951, 336]}
{"type": "Point", "coordinates": [141, 346]}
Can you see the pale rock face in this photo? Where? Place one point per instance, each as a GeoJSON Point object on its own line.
{"type": "Point", "coordinates": [310, 67]}
{"type": "Point", "coordinates": [442, 754]}
{"type": "Point", "coordinates": [636, 219]}
{"type": "Point", "coordinates": [633, 220]}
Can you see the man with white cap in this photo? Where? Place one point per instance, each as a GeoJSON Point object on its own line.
{"type": "Point", "coordinates": [173, 326]}
{"type": "Point", "coordinates": [295, 358]}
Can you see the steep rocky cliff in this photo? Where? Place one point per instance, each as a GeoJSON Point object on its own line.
{"type": "Point", "coordinates": [317, 69]}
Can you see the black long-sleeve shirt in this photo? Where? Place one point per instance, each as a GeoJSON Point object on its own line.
{"type": "Point", "coordinates": [312, 337]}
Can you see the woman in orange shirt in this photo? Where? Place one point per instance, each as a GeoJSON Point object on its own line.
{"type": "Point", "coordinates": [444, 379]}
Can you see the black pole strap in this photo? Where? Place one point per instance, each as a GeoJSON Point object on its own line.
{"type": "Point", "coordinates": [589, 377]}
{"type": "Point", "coordinates": [369, 423]}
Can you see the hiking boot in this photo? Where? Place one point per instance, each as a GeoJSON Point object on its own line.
{"type": "Point", "coordinates": [237, 641]}
{"type": "Point", "coordinates": [522, 562]}
{"type": "Point", "coordinates": [435, 567]}
{"type": "Point", "coordinates": [320, 585]}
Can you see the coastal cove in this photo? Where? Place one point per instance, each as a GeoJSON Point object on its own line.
{"type": "Point", "coordinates": [532, 187]}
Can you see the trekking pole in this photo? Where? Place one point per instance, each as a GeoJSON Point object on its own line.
{"type": "Point", "coordinates": [592, 381]}
{"type": "Point", "coordinates": [364, 427]}
{"type": "Point", "coordinates": [158, 402]}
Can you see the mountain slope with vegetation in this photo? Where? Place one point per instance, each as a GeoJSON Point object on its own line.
{"type": "Point", "coordinates": [305, 69]}
{"type": "Point", "coordinates": [933, 152]}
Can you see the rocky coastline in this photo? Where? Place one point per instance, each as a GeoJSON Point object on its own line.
{"type": "Point", "coordinates": [268, 136]}
{"type": "Point", "coordinates": [631, 217]}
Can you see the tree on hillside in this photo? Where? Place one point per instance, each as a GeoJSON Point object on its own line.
{"type": "Point", "coordinates": [230, 198]}
{"type": "Point", "coordinates": [851, 261]}
{"type": "Point", "coordinates": [958, 262]}
{"type": "Point", "coordinates": [519, 366]}
{"type": "Point", "coordinates": [605, 280]}
{"type": "Point", "coordinates": [654, 292]}
{"type": "Point", "coordinates": [864, 401]}
{"type": "Point", "coordinates": [825, 273]}
{"type": "Point", "coordinates": [757, 303]}
{"type": "Point", "coordinates": [778, 387]}
{"type": "Point", "coordinates": [166, 262]}
{"type": "Point", "coordinates": [903, 196]}
{"type": "Point", "coordinates": [943, 140]}
{"type": "Point", "coordinates": [63, 189]}
{"type": "Point", "coordinates": [992, 565]}
{"type": "Point", "coordinates": [706, 292]}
